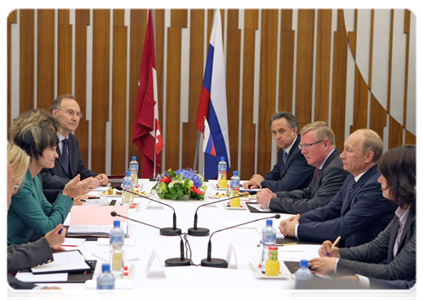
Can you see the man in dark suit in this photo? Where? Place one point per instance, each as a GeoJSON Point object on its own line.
{"type": "Point", "coordinates": [15, 289]}
{"type": "Point", "coordinates": [318, 147]}
{"type": "Point", "coordinates": [291, 171]}
{"type": "Point", "coordinates": [69, 164]}
{"type": "Point", "coordinates": [358, 212]}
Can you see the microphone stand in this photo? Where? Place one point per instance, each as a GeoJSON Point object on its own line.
{"type": "Point", "coordinates": [167, 231]}
{"type": "Point", "coordinates": [170, 262]}
{"type": "Point", "coordinates": [221, 263]}
{"type": "Point", "coordinates": [199, 231]}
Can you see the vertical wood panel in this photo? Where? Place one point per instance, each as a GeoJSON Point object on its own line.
{"type": "Point", "coordinates": [248, 128]}
{"type": "Point", "coordinates": [286, 62]}
{"type": "Point", "coordinates": [407, 58]}
{"type": "Point", "coordinates": [119, 92]}
{"type": "Point", "coordinates": [395, 133]}
{"type": "Point", "coordinates": [304, 76]}
{"type": "Point", "coordinates": [233, 63]}
{"type": "Point", "coordinates": [361, 95]}
{"type": "Point", "coordinates": [267, 104]}
{"type": "Point", "coordinates": [195, 84]}
{"type": "Point", "coordinates": [100, 88]}
{"type": "Point", "coordinates": [159, 38]}
{"type": "Point", "coordinates": [339, 80]}
{"type": "Point", "coordinates": [173, 88]}
{"type": "Point", "coordinates": [64, 53]}
{"type": "Point", "coordinates": [11, 18]}
{"type": "Point", "coordinates": [82, 20]}
{"type": "Point", "coordinates": [391, 43]}
{"type": "Point", "coordinates": [26, 60]}
{"type": "Point", "coordinates": [137, 35]}
{"type": "Point", "coordinates": [410, 138]}
{"type": "Point", "coordinates": [377, 116]}
{"type": "Point", "coordinates": [324, 40]}
{"type": "Point", "coordinates": [45, 58]}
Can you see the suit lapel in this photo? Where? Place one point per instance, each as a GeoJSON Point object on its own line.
{"type": "Point", "coordinates": [59, 159]}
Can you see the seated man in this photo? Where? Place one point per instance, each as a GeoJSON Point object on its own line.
{"type": "Point", "coordinates": [291, 172]}
{"type": "Point", "coordinates": [69, 164]}
{"type": "Point", "coordinates": [358, 212]}
{"type": "Point", "coordinates": [318, 147]}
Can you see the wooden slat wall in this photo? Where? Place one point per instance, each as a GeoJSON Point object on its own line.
{"type": "Point", "coordinates": [119, 92]}
{"type": "Point", "coordinates": [313, 77]}
{"type": "Point", "coordinates": [267, 101]}
{"type": "Point", "coordinates": [82, 20]}
{"type": "Point", "coordinates": [233, 64]}
{"type": "Point", "coordinates": [64, 53]}
{"type": "Point", "coordinates": [45, 57]}
{"type": "Point", "coordinates": [11, 19]}
{"type": "Point", "coordinates": [195, 84]}
{"type": "Point", "coordinates": [100, 87]}
{"type": "Point", "coordinates": [248, 128]}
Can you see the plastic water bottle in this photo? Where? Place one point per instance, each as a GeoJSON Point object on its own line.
{"type": "Point", "coordinates": [117, 236]}
{"type": "Point", "coordinates": [303, 276]}
{"type": "Point", "coordinates": [222, 170]}
{"type": "Point", "coordinates": [127, 185]}
{"type": "Point", "coordinates": [133, 167]}
{"type": "Point", "coordinates": [234, 185]}
{"type": "Point", "coordinates": [105, 281]}
{"type": "Point", "coordinates": [268, 240]}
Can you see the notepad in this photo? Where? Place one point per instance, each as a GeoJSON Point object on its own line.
{"type": "Point", "coordinates": [68, 261]}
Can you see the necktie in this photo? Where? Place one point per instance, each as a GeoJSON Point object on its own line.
{"type": "Point", "coordinates": [318, 171]}
{"type": "Point", "coordinates": [352, 185]}
{"type": "Point", "coordinates": [65, 155]}
{"type": "Point", "coordinates": [284, 157]}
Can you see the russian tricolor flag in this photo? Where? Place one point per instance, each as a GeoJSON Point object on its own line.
{"type": "Point", "coordinates": [213, 101]}
{"type": "Point", "coordinates": [208, 144]}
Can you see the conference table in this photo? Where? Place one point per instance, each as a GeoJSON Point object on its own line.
{"type": "Point", "coordinates": [146, 252]}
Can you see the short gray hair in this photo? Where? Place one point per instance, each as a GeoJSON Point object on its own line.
{"type": "Point", "coordinates": [290, 118]}
{"type": "Point", "coordinates": [58, 101]}
{"type": "Point", "coordinates": [321, 131]}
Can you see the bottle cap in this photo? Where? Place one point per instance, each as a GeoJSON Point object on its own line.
{"type": "Point", "coordinates": [116, 223]}
{"type": "Point", "coordinates": [236, 173]}
{"type": "Point", "coordinates": [105, 268]}
{"type": "Point", "coordinates": [134, 157]}
{"type": "Point", "coordinates": [273, 248]}
{"type": "Point", "coordinates": [304, 263]}
{"type": "Point", "coordinates": [128, 173]}
{"type": "Point", "coordinates": [222, 158]}
{"type": "Point", "coordinates": [269, 222]}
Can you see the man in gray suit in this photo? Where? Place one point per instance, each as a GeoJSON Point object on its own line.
{"type": "Point", "coordinates": [15, 289]}
{"type": "Point", "coordinates": [318, 147]}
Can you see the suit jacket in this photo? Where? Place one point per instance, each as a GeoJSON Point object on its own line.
{"type": "Point", "coordinates": [55, 179]}
{"type": "Point", "coordinates": [357, 216]}
{"type": "Point", "coordinates": [15, 289]}
{"type": "Point", "coordinates": [319, 192]}
{"type": "Point", "coordinates": [410, 289]}
{"type": "Point", "coordinates": [376, 259]}
{"type": "Point", "coordinates": [20, 257]}
{"type": "Point", "coordinates": [295, 174]}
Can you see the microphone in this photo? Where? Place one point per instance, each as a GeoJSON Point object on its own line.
{"type": "Point", "coordinates": [167, 231]}
{"type": "Point", "coordinates": [221, 263]}
{"type": "Point", "coordinates": [171, 262]}
{"type": "Point", "coordinates": [199, 231]}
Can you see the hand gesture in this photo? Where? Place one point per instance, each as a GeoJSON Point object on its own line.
{"type": "Point", "coordinates": [287, 227]}
{"type": "Point", "coordinates": [103, 179]}
{"type": "Point", "coordinates": [264, 196]}
{"type": "Point", "coordinates": [54, 238]}
{"type": "Point", "coordinates": [76, 187]}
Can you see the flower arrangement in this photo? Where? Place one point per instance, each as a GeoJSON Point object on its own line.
{"type": "Point", "coordinates": [180, 184]}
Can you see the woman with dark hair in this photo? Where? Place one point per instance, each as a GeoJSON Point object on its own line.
{"type": "Point", "coordinates": [30, 212]}
{"type": "Point", "coordinates": [390, 259]}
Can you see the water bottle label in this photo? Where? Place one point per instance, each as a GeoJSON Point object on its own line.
{"type": "Point", "coordinates": [269, 239]}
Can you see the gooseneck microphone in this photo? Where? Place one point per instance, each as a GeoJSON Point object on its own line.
{"type": "Point", "coordinates": [167, 231]}
{"type": "Point", "coordinates": [200, 231]}
{"type": "Point", "coordinates": [171, 262]}
{"type": "Point", "coordinates": [221, 263]}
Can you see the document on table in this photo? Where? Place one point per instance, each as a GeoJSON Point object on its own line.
{"type": "Point", "coordinates": [30, 277]}
{"type": "Point", "coordinates": [63, 262]}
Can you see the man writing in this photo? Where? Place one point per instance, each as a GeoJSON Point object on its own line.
{"type": "Point", "coordinates": [66, 110]}
{"type": "Point", "coordinates": [358, 212]}
{"type": "Point", "coordinates": [318, 147]}
{"type": "Point", "coordinates": [291, 171]}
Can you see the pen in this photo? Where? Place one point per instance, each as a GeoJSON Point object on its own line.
{"type": "Point", "coordinates": [61, 230]}
{"type": "Point", "coordinates": [334, 244]}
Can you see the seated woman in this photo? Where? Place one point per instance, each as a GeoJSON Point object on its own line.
{"type": "Point", "coordinates": [391, 257]}
{"type": "Point", "coordinates": [29, 211]}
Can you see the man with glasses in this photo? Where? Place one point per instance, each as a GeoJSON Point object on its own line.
{"type": "Point", "coordinates": [66, 110]}
{"type": "Point", "coordinates": [358, 212]}
{"type": "Point", "coordinates": [291, 171]}
{"type": "Point", "coordinates": [318, 147]}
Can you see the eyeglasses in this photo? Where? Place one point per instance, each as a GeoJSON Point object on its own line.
{"type": "Point", "coordinates": [16, 188]}
{"type": "Point", "coordinates": [71, 114]}
{"type": "Point", "coordinates": [306, 146]}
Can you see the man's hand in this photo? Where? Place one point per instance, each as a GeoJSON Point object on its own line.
{"type": "Point", "coordinates": [250, 185]}
{"type": "Point", "coordinates": [287, 227]}
{"type": "Point", "coordinates": [54, 238]}
{"type": "Point", "coordinates": [50, 293]}
{"type": "Point", "coordinates": [264, 196]}
{"type": "Point", "coordinates": [103, 179]}
{"type": "Point", "coordinates": [323, 264]}
{"type": "Point", "coordinates": [327, 250]}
